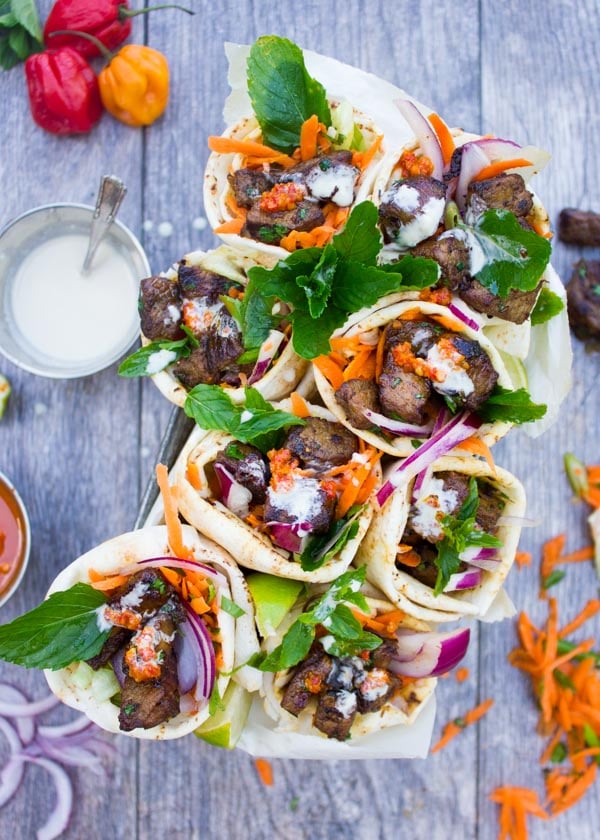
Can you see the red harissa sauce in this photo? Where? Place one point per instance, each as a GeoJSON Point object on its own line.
{"type": "Point", "coordinates": [12, 538]}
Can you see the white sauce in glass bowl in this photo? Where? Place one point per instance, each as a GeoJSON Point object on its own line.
{"type": "Point", "coordinates": [69, 316]}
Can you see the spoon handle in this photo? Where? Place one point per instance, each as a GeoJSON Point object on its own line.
{"type": "Point", "coordinates": [110, 195]}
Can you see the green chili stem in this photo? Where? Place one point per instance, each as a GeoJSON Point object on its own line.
{"type": "Point", "coordinates": [98, 43]}
{"type": "Point", "coordinates": [125, 13]}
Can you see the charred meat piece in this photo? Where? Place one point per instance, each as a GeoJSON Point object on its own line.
{"type": "Point", "coordinates": [272, 227]}
{"type": "Point", "coordinates": [515, 307]}
{"type": "Point", "coordinates": [250, 184]}
{"type": "Point", "coordinates": [330, 177]}
{"type": "Point", "coordinates": [455, 164]}
{"type": "Point", "coordinates": [160, 308]}
{"type": "Point", "coordinates": [374, 688]}
{"type": "Point", "coordinates": [117, 637]}
{"type": "Point", "coordinates": [301, 501]}
{"type": "Point", "coordinates": [150, 692]}
{"type": "Point", "coordinates": [249, 467]}
{"type": "Point", "coordinates": [382, 656]}
{"type": "Point", "coordinates": [411, 210]}
{"type": "Point", "coordinates": [196, 282]}
{"type": "Point", "coordinates": [480, 372]}
{"type": "Point", "coordinates": [579, 227]}
{"type": "Point", "coordinates": [354, 396]}
{"type": "Point", "coordinates": [309, 679]}
{"type": "Point", "coordinates": [335, 713]}
{"type": "Point", "coordinates": [583, 298]}
{"type": "Point", "coordinates": [221, 344]}
{"type": "Point", "coordinates": [491, 507]}
{"type": "Point", "coordinates": [503, 192]}
{"type": "Point", "coordinates": [451, 254]}
{"type": "Point", "coordinates": [320, 444]}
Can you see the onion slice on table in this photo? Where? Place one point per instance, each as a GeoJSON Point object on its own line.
{"type": "Point", "coordinates": [429, 654]}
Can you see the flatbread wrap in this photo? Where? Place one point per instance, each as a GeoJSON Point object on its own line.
{"type": "Point", "coordinates": [283, 178]}
{"type": "Point", "coordinates": [197, 328]}
{"type": "Point", "coordinates": [429, 548]}
{"type": "Point", "coordinates": [377, 672]}
{"type": "Point", "coordinates": [296, 509]}
{"type": "Point", "coordinates": [402, 370]}
{"type": "Point", "coordinates": [169, 635]}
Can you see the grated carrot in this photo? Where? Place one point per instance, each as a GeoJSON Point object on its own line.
{"type": "Point", "coordinates": [264, 770]}
{"type": "Point", "coordinates": [232, 226]}
{"type": "Point", "coordinates": [478, 447]}
{"type": "Point", "coordinates": [444, 136]}
{"type": "Point", "coordinates": [500, 166]}
{"type": "Point", "coordinates": [228, 145]}
{"type": "Point", "coordinates": [523, 558]}
{"type": "Point", "coordinates": [299, 405]}
{"type": "Point", "coordinates": [105, 584]}
{"type": "Point", "coordinates": [515, 804]}
{"type": "Point", "coordinates": [330, 370]}
{"type": "Point", "coordinates": [452, 729]}
{"type": "Point", "coordinates": [363, 159]}
{"type": "Point", "coordinates": [174, 531]}
{"type": "Point", "coordinates": [309, 133]}
{"type": "Point", "coordinates": [461, 674]}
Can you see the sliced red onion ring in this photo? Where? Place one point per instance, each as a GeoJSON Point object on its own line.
{"type": "Point", "coordinates": [292, 536]}
{"type": "Point", "coordinates": [189, 658]}
{"type": "Point", "coordinates": [58, 820]}
{"type": "Point", "coordinates": [498, 149]}
{"type": "Point", "coordinates": [207, 669]}
{"type": "Point", "coordinates": [234, 495]}
{"type": "Point", "coordinates": [429, 654]}
{"type": "Point", "coordinates": [73, 727]}
{"type": "Point", "coordinates": [25, 726]}
{"type": "Point", "coordinates": [118, 665]}
{"type": "Point", "coordinates": [189, 565]}
{"type": "Point", "coordinates": [266, 355]}
{"type": "Point", "coordinates": [473, 160]}
{"type": "Point", "coordinates": [458, 429]}
{"type": "Point", "coordinates": [483, 558]}
{"type": "Point", "coordinates": [462, 316]}
{"type": "Point", "coordinates": [12, 772]}
{"type": "Point", "coordinates": [423, 476]}
{"type": "Point", "coordinates": [463, 580]}
{"type": "Point", "coordinates": [428, 142]}
{"type": "Point", "coordinates": [38, 707]}
{"type": "Point", "coordinates": [396, 427]}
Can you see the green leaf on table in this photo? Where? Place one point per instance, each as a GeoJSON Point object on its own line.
{"type": "Point", "coordinates": [25, 12]}
{"type": "Point", "coordinates": [546, 307]}
{"type": "Point", "coordinates": [20, 32]}
{"type": "Point", "coordinates": [509, 406]}
{"type": "Point", "coordinates": [62, 630]}
{"type": "Point", "coordinates": [282, 92]}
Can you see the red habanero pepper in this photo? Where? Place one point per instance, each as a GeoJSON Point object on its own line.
{"type": "Point", "coordinates": [64, 96]}
{"type": "Point", "coordinates": [107, 20]}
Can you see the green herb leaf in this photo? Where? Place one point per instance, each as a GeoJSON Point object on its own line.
{"type": "Point", "coordinates": [20, 32]}
{"type": "Point", "coordinates": [546, 307]}
{"type": "Point", "coordinates": [215, 703]}
{"type": "Point", "coordinates": [317, 285]}
{"type": "Point", "coordinates": [282, 93]}
{"type": "Point", "coordinates": [140, 363]}
{"type": "Point", "coordinates": [515, 257]}
{"type": "Point", "coordinates": [346, 636]}
{"type": "Point", "coordinates": [510, 406]}
{"type": "Point", "coordinates": [553, 578]}
{"type": "Point", "coordinates": [558, 754]}
{"type": "Point", "coordinates": [231, 608]}
{"type": "Point", "coordinates": [322, 548]}
{"type": "Point", "coordinates": [563, 680]}
{"type": "Point", "coordinates": [566, 647]}
{"type": "Point", "coordinates": [25, 12]}
{"type": "Point", "coordinates": [62, 630]}
{"type": "Point", "coordinates": [360, 240]}
{"type": "Point", "coordinates": [212, 408]}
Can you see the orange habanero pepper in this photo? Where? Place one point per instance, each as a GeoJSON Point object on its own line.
{"type": "Point", "coordinates": [134, 85]}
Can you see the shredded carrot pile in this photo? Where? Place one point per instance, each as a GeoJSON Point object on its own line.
{"type": "Point", "coordinates": [264, 770]}
{"type": "Point", "coordinates": [553, 556]}
{"type": "Point", "coordinates": [456, 726]}
{"type": "Point", "coordinates": [515, 803]}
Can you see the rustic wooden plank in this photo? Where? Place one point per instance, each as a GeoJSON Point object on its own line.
{"type": "Point", "coordinates": [535, 89]}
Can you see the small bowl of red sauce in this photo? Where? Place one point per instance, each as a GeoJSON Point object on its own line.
{"type": "Point", "coordinates": [15, 539]}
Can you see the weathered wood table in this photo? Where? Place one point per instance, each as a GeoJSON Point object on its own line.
{"type": "Point", "coordinates": [81, 451]}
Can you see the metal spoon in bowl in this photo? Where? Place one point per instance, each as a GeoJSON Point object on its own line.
{"type": "Point", "coordinates": [110, 195]}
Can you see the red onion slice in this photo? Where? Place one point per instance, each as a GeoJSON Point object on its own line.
{"type": "Point", "coordinates": [73, 727]}
{"type": "Point", "coordinates": [426, 136]}
{"type": "Point", "coordinates": [12, 772]}
{"type": "Point", "coordinates": [25, 726]}
{"type": "Point", "coordinates": [189, 658]}
{"type": "Point", "coordinates": [38, 707]}
{"type": "Point", "coordinates": [463, 580]}
{"type": "Point", "coordinates": [58, 820]}
{"type": "Point", "coordinates": [422, 477]}
{"type": "Point", "coordinates": [266, 355]}
{"type": "Point", "coordinates": [207, 668]}
{"type": "Point", "coordinates": [292, 536]}
{"type": "Point", "coordinates": [482, 558]}
{"type": "Point", "coordinates": [462, 316]}
{"type": "Point", "coordinates": [458, 429]}
{"type": "Point", "coordinates": [396, 427]}
{"type": "Point", "coordinates": [429, 654]}
{"type": "Point", "coordinates": [234, 495]}
{"type": "Point", "coordinates": [473, 160]}
{"type": "Point", "coordinates": [189, 565]}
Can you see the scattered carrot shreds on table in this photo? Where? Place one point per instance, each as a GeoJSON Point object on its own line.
{"type": "Point", "coordinates": [456, 726]}
{"type": "Point", "coordinates": [461, 674]}
{"type": "Point", "coordinates": [515, 804]}
{"type": "Point", "coordinates": [553, 556]}
{"type": "Point", "coordinates": [523, 558]}
{"type": "Point", "coordinates": [264, 770]}
{"type": "Point", "coordinates": [584, 479]}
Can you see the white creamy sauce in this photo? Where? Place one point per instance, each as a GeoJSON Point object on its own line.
{"type": "Point", "coordinates": [477, 259]}
{"type": "Point", "coordinates": [159, 360]}
{"type": "Point", "coordinates": [403, 196]}
{"type": "Point", "coordinates": [134, 597]}
{"type": "Point", "coordinates": [456, 380]}
{"type": "Point", "coordinates": [342, 673]}
{"type": "Point", "coordinates": [245, 416]}
{"type": "Point", "coordinates": [428, 510]}
{"type": "Point", "coordinates": [300, 501]}
{"type": "Point", "coordinates": [174, 314]}
{"type": "Point", "coordinates": [424, 224]}
{"type": "Point", "coordinates": [68, 316]}
{"type": "Point", "coordinates": [101, 622]}
{"type": "Point", "coordinates": [334, 184]}
{"type": "Point", "coordinates": [345, 703]}
{"type": "Point", "coordinates": [374, 685]}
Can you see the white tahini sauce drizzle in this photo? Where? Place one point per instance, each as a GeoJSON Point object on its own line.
{"type": "Point", "coordinates": [456, 379]}
{"type": "Point", "coordinates": [159, 360]}
{"type": "Point", "coordinates": [477, 259]}
{"type": "Point", "coordinates": [334, 184]}
{"type": "Point", "coordinates": [68, 316]}
{"type": "Point", "coordinates": [300, 500]}
{"type": "Point", "coordinates": [427, 511]}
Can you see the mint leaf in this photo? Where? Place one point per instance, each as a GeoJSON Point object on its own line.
{"type": "Point", "coordinates": [510, 407]}
{"type": "Point", "coordinates": [322, 548]}
{"type": "Point", "coordinates": [20, 32]}
{"type": "Point", "coordinates": [230, 608]}
{"type": "Point", "coordinates": [317, 285]}
{"type": "Point", "coordinates": [310, 336]}
{"type": "Point", "coordinates": [515, 257]}
{"type": "Point", "coordinates": [140, 362]}
{"type": "Point", "coordinates": [360, 239]}
{"type": "Point", "coordinates": [62, 630]}
{"type": "Point", "coordinates": [257, 422]}
{"type": "Point", "coordinates": [546, 307]}
{"type": "Point", "coordinates": [282, 93]}
{"type": "Point", "coordinates": [25, 12]}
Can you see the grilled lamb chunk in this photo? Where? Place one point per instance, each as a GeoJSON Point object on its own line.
{"type": "Point", "coordinates": [503, 192]}
{"type": "Point", "coordinates": [117, 637]}
{"type": "Point", "coordinates": [335, 713]}
{"type": "Point", "coordinates": [303, 171]}
{"type": "Point", "coordinates": [452, 256]}
{"type": "Point", "coordinates": [272, 227]}
{"type": "Point", "coordinates": [405, 394]}
{"type": "Point", "coordinates": [251, 469]}
{"type": "Point", "coordinates": [160, 308]}
{"type": "Point", "coordinates": [579, 227]}
{"type": "Point", "coordinates": [196, 282]}
{"type": "Point", "coordinates": [516, 307]}
{"type": "Point", "coordinates": [411, 210]}
{"type": "Point", "coordinates": [421, 335]}
{"type": "Point", "coordinates": [382, 656]}
{"type": "Point", "coordinates": [354, 396]}
{"type": "Point", "coordinates": [308, 679]}
{"type": "Point", "coordinates": [141, 596]}
{"type": "Point", "coordinates": [490, 509]}
{"type": "Point", "coordinates": [150, 692]}
{"type": "Point", "coordinates": [583, 298]}
{"type": "Point", "coordinates": [445, 499]}
{"type": "Point", "coordinates": [374, 688]}
{"type": "Point", "coordinates": [321, 444]}
{"type": "Point", "coordinates": [303, 501]}
{"type": "Point", "coordinates": [480, 377]}
{"type": "Point", "coordinates": [250, 184]}
{"type": "Point", "coordinates": [330, 177]}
